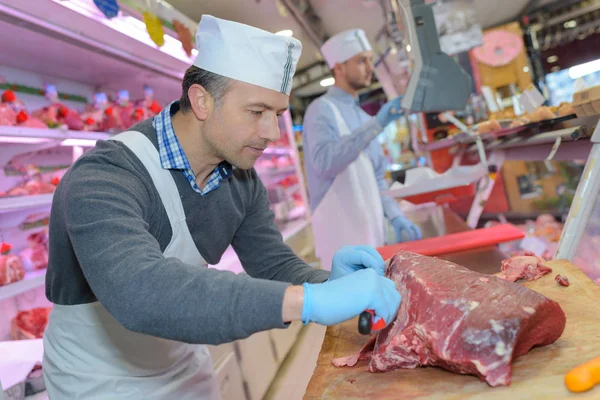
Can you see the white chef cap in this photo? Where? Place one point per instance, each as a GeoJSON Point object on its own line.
{"type": "Point", "coordinates": [345, 45]}
{"type": "Point", "coordinates": [246, 53]}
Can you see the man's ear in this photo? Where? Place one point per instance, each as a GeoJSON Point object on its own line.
{"type": "Point", "coordinates": [338, 70]}
{"type": "Point", "coordinates": [201, 102]}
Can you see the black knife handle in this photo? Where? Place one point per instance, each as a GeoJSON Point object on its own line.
{"type": "Point", "coordinates": [365, 323]}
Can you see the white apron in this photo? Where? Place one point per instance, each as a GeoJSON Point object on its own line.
{"type": "Point", "coordinates": [89, 355]}
{"type": "Point", "coordinates": [351, 213]}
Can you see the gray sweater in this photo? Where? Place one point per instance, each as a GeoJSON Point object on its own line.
{"type": "Point", "coordinates": [108, 229]}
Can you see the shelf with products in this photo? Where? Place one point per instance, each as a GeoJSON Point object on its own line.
{"type": "Point", "coordinates": [118, 52]}
{"type": "Point", "coordinates": [64, 137]}
{"type": "Point", "coordinates": [32, 280]}
{"type": "Point", "coordinates": [19, 203]}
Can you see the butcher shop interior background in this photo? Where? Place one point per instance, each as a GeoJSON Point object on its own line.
{"type": "Point", "coordinates": [519, 154]}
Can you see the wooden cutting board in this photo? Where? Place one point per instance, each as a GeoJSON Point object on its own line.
{"type": "Point", "coordinates": [538, 374]}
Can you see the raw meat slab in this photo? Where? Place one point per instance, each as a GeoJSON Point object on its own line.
{"type": "Point", "coordinates": [537, 374]}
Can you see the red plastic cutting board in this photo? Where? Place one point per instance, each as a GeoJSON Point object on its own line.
{"type": "Point", "coordinates": [456, 242]}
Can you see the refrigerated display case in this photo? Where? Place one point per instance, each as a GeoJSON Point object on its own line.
{"type": "Point", "coordinates": [72, 46]}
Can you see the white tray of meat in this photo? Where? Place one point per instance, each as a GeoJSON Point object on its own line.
{"type": "Point", "coordinates": [425, 180]}
{"type": "Point", "coordinates": [11, 268]}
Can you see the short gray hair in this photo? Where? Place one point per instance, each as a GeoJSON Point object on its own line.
{"type": "Point", "coordinates": [216, 85]}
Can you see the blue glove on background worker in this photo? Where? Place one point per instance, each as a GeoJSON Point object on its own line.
{"type": "Point", "coordinates": [339, 300]}
{"type": "Point", "coordinates": [404, 225]}
{"type": "Point", "coordinates": [390, 111]}
{"type": "Point", "coordinates": [350, 259]}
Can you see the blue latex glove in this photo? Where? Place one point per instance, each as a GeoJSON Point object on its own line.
{"type": "Point", "coordinates": [390, 111]}
{"type": "Point", "coordinates": [353, 258]}
{"type": "Point", "coordinates": [336, 301]}
{"type": "Point", "coordinates": [403, 224]}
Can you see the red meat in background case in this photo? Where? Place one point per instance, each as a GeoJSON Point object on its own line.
{"type": "Point", "coordinates": [30, 324]}
{"type": "Point", "coordinates": [8, 117]}
{"type": "Point", "coordinates": [11, 268]}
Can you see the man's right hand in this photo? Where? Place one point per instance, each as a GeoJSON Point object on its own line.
{"type": "Point", "coordinates": [336, 301]}
{"type": "Point", "coordinates": [390, 111]}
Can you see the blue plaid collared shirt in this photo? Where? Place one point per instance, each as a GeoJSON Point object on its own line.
{"type": "Point", "coordinates": [172, 155]}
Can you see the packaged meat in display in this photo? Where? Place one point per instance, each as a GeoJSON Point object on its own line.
{"type": "Point", "coordinates": [49, 115]}
{"type": "Point", "coordinates": [32, 184]}
{"type": "Point", "coordinates": [459, 320]}
{"type": "Point", "coordinates": [24, 120]}
{"type": "Point", "coordinates": [36, 255]}
{"type": "Point", "coordinates": [10, 99]}
{"type": "Point", "coordinates": [11, 269]}
{"type": "Point", "coordinates": [30, 324]}
{"type": "Point", "coordinates": [70, 118]}
{"type": "Point", "coordinates": [101, 116]}
{"type": "Point", "coordinates": [148, 103]}
{"type": "Point", "coordinates": [57, 114]}
{"type": "Point", "coordinates": [8, 117]}
{"type": "Point", "coordinates": [30, 188]}
{"type": "Point", "coordinates": [124, 109]}
{"type": "Point", "coordinates": [92, 119]}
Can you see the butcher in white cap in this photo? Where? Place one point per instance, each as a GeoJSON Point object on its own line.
{"type": "Point", "coordinates": [345, 165]}
{"type": "Point", "coordinates": [139, 219]}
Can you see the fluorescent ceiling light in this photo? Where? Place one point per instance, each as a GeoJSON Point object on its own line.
{"type": "Point", "coordinates": [584, 69]}
{"type": "Point", "coordinates": [408, 48]}
{"type": "Point", "coordinates": [285, 32]}
{"type": "Point", "coordinates": [127, 25]}
{"type": "Point", "coordinates": [22, 139]}
{"type": "Point", "coordinates": [327, 82]}
{"type": "Point", "coordinates": [552, 59]}
{"type": "Point", "coordinates": [79, 142]}
{"type": "Point", "coordinates": [570, 24]}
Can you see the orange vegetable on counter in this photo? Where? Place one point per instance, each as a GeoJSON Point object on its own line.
{"type": "Point", "coordinates": [583, 377]}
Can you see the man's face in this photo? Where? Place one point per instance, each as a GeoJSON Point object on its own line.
{"type": "Point", "coordinates": [245, 123]}
{"type": "Point", "coordinates": [358, 70]}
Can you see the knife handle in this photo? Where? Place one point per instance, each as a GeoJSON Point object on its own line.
{"type": "Point", "coordinates": [366, 323]}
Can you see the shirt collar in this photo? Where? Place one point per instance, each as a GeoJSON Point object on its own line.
{"type": "Point", "coordinates": [171, 153]}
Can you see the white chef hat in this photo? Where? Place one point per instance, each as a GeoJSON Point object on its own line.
{"type": "Point", "coordinates": [345, 45]}
{"type": "Point", "coordinates": [246, 53]}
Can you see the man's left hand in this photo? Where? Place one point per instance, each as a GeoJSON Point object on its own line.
{"type": "Point", "coordinates": [350, 259]}
{"type": "Point", "coordinates": [403, 224]}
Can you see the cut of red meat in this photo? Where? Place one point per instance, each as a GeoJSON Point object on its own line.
{"type": "Point", "coordinates": [33, 122]}
{"type": "Point", "coordinates": [38, 243]}
{"type": "Point", "coordinates": [8, 117]}
{"type": "Point", "coordinates": [11, 269]}
{"type": "Point", "coordinates": [527, 266]}
{"type": "Point", "coordinates": [30, 324]}
{"type": "Point", "coordinates": [460, 320]}
{"type": "Point", "coordinates": [562, 280]}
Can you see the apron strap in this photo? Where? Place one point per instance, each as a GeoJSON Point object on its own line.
{"type": "Point", "coordinates": [341, 122]}
{"type": "Point", "coordinates": [143, 148]}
